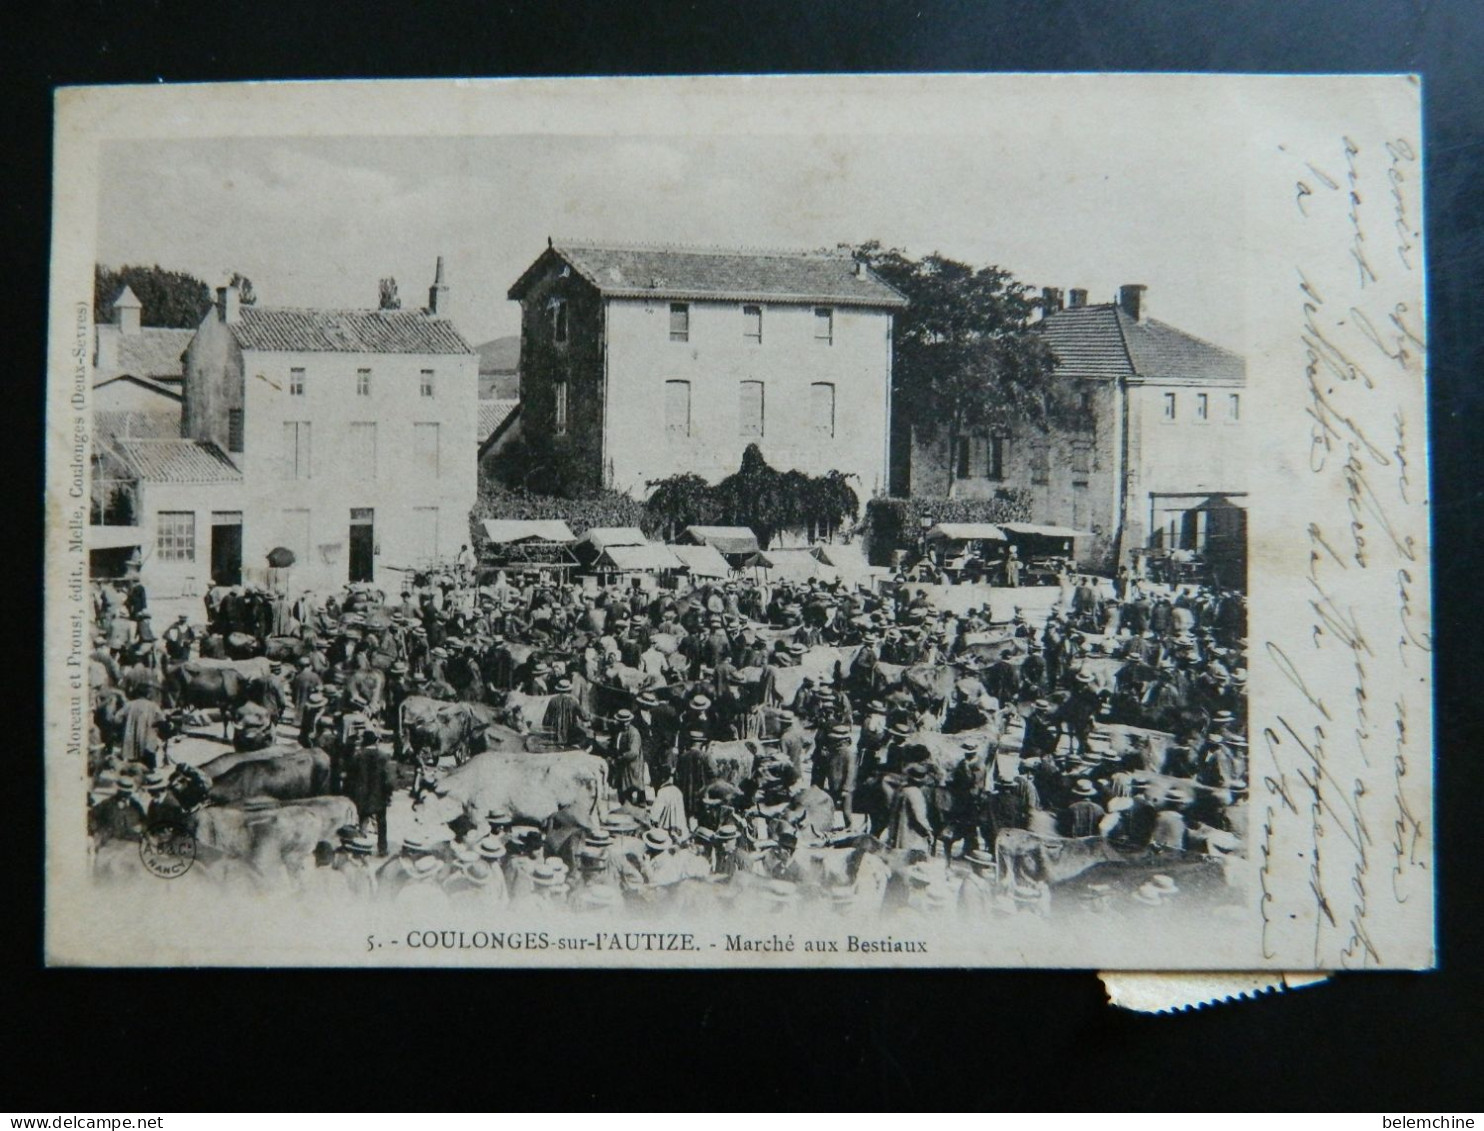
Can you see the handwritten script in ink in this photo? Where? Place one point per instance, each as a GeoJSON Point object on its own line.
{"type": "Point", "coordinates": [1347, 799]}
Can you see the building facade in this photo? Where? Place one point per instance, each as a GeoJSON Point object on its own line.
{"type": "Point", "coordinates": [345, 436]}
{"type": "Point", "coordinates": [640, 363]}
{"type": "Point", "coordinates": [1161, 435]}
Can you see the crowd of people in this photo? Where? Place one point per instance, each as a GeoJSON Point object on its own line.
{"type": "Point", "coordinates": [749, 729]}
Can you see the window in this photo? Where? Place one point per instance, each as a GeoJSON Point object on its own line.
{"type": "Point", "coordinates": [425, 531]}
{"type": "Point", "coordinates": [559, 407]}
{"type": "Point", "coordinates": [1041, 464]}
{"type": "Point", "coordinates": [362, 462]}
{"type": "Point", "coordinates": [824, 324]}
{"type": "Point", "coordinates": [1085, 402]}
{"type": "Point", "coordinates": [295, 535]}
{"type": "Point", "coordinates": [752, 324]}
{"type": "Point", "coordinates": [1202, 406]}
{"type": "Point", "coordinates": [750, 410]}
{"type": "Point", "coordinates": [822, 408]}
{"type": "Point", "coordinates": [995, 458]}
{"type": "Point", "coordinates": [297, 457]}
{"type": "Point", "coordinates": [425, 448]}
{"type": "Point", "coordinates": [234, 429]}
{"type": "Point", "coordinates": [680, 321]}
{"type": "Point", "coordinates": [296, 382]}
{"type": "Point", "coordinates": [1081, 459]}
{"type": "Point", "coordinates": [1169, 406]}
{"type": "Point", "coordinates": [175, 536]}
{"type": "Point", "coordinates": [1234, 406]}
{"type": "Point", "coordinates": [363, 382]}
{"type": "Point", "coordinates": [425, 383]}
{"type": "Point", "coordinates": [559, 320]}
{"type": "Point", "coordinates": [677, 408]}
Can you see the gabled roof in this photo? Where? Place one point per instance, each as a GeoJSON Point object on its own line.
{"type": "Point", "coordinates": [798, 564]}
{"type": "Point", "coordinates": [732, 274]}
{"type": "Point", "coordinates": [126, 424]}
{"type": "Point", "coordinates": [285, 329]}
{"type": "Point", "coordinates": [152, 351]}
{"type": "Point", "coordinates": [1103, 342]}
{"type": "Point", "coordinates": [726, 539]}
{"type": "Point", "coordinates": [966, 532]}
{"type": "Point", "coordinates": [602, 537]}
{"type": "Point", "coordinates": [648, 558]}
{"type": "Point", "coordinates": [169, 390]}
{"type": "Point", "coordinates": [701, 561]}
{"type": "Point", "coordinates": [492, 414]}
{"type": "Point", "coordinates": [177, 461]}
{"type": "Point", "coordinates": [505, 530]}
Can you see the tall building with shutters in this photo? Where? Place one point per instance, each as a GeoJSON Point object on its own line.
{"type": "Point", "coordinates": [641, 362]}
{"type": "Point", "coordinates": [344, 436]}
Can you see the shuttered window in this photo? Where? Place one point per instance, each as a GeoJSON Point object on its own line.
{"type": "Point", "coordinates": [297, 456]}
{"type": "Point", "coordinates": [362, 460]}
{"type": "Point", "coordinates": [822, 408]}
{"type": "Point", "coordinates": [750, 410]}
{"type": "Point", "coordinates": [425, 449]}
{"type": "Point", "coordinates": [677, 408]}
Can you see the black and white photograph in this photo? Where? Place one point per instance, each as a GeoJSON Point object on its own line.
{"type": "Point", "coordinates": [547, 530]}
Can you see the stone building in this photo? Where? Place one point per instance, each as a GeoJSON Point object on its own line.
{"type": "Point", "coordinates": [1161, 446]}
{"type": "Point", "coordinates": [346, 436]}
{"type": "Point", "coordinates": [637, 363]}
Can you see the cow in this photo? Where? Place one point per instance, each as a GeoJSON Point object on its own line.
{"type": "Point", "coordinates": [533, 787]}
{"type": "Point", "coordinates": [287, 649]}
{"type": "Point", "coordinates": [288, 777]}
{"type": "Point", "coordinates": [731, 762]}
{"type": "Point", "coordinates": [221, 684]}
{"type": "Point", "coordinates": [1023, 857]}
{"type": "Point", "coordinates": [216, 767]}
{"type": "Point", "coordinates": [433, 729]}
{"type": "Point", "coordinates": [524, 712]}
{"type": "Point", "coordinates": [273, 838]}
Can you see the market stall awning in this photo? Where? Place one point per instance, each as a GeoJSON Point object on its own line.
{"type": "Point", "coordinates": [114, 537]}
{"type": "Point", "coordinates": [966, 532]}
{"type": "Point", "coordinates": [850, 560]}
{"type": "Point", "coordinates": [792, 565]}
{"type": "Point", "coordinates": [648, 558]}
{"type": "Point", "coordinates": [701, 561]}
{"type": "Point", "coordinates": [601, 537]}
{"type": "Point", "coordinates": [507, 530]}
{"type": "Point", "coordinates": [726, 539]}
{"type": "Point", "coordinates": [1044, 531]}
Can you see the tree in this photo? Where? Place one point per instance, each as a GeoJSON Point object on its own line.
{"type": "Point", "coordinates": [245, 294]}
{"type": "Point", "coordinates": [680, 501]}
{"type": "Point", "coordinates": [171, 299]}
{"type": "Point", "coordinates": [965, 359]}
{"type": "Point", "coordinates": [389, 299]}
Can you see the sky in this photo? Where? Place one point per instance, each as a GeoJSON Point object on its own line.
{"type": "Point", "coordinates": [1092, 198]}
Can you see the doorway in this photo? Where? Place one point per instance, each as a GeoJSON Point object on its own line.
{"type": "Point", "coordinates": [362, 544]}
{"type": "Point", "coordinates": [226, 547]}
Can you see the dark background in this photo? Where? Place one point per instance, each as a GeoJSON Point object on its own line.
{"type": "Point", "coordinates": [155, 1041]}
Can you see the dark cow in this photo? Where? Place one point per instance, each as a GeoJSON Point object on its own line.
{"type": "Point", "coordinates": [433, 729]}
{"type": "Point", "coordinates": [221, 684]}
{"type": "Point", "coordinates": [288, 777]}
{"type": "Point", "coordinates": [219, 765]}
{"type": "Point", "coordinates": [287, 649]}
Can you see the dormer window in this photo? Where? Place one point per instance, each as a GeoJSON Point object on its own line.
{"type": "Point", "coordinates": [559, 320]}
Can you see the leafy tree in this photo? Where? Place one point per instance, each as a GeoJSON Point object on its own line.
{"type": "Point", "coordinates": [389, 300]}
{"type": "Point", "coordinates": [245, 294]}
{"type": "Point", "coordinates": [966, 361]}
{"type": "Point", "coordinates": [680, 501]}
{"type": "Point", "coordinates": [172, 299]}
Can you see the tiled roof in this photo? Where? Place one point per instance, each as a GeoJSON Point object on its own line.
{"type": "Point", "coordinates": [492, 414]}
{"type": "Point", "coordinates": [178, 461]}
{"type": "Point", "coordinates": [735, 275]}
{"type": "Point", "coordinates": [1103, 342]}
{"type": "Point", "coordinates": [346, 331]}
{"type": "Point", "coordinates": [124, 424]}
{"type": "Point", "coordinates": [152, 352]}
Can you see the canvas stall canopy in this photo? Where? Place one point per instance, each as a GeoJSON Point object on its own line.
{"type": "Point", "coordinates": [599, 538]}
{"type": "Point", "coordinates": [791, 565]}
{"type": "Point", "coordinates": [701, 561]}
{"type": "Point", "coordinates": [733, 542]}
{"type": "Point", "coordinates": [646, 558]}
{"type": "Point", "coordinates": [850, 563]}
{"type": "Point", "coordinates": [966, 532]}
{"type": "Point", "coordinates": [529, 543]}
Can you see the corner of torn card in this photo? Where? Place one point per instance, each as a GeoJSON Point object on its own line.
{"type": "Point", "coordinates": [1164, 992]}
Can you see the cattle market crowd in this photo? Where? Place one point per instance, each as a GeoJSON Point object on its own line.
{"type": "Point", "coordinates": [536, 741]}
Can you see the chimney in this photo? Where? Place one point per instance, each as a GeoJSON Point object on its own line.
{"type": "Point", "coordinates": [1076, 297]}
{"type": "Point", "coordinates": [1050, 301]}
{"type": "Point", "coordinates": [438, 293]}
{"type": "Point", "coordinates": [228, 304]}
{"type": "Point", "coordinates": [126, 312]}
{"type": "Point", "coordinates": [1131, 300]}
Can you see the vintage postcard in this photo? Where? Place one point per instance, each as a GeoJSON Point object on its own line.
{"type": "Point", "coordinates": [967, 520]}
